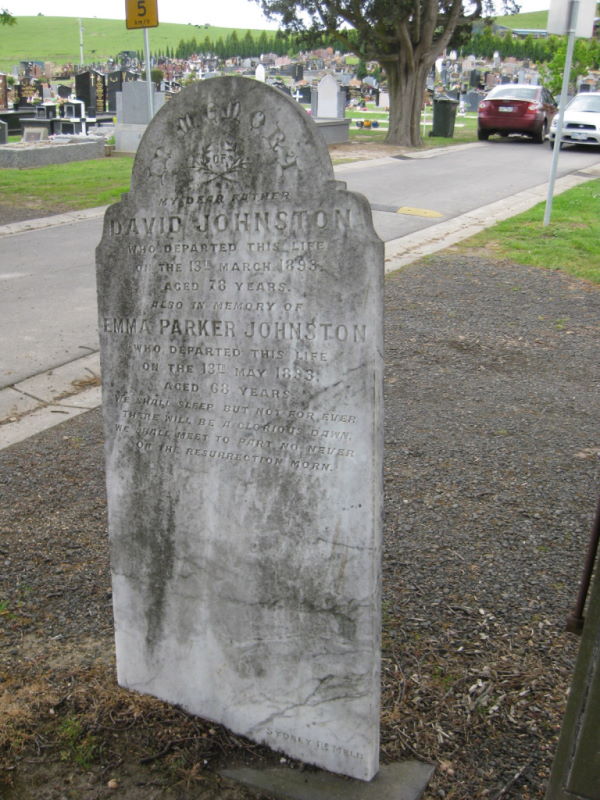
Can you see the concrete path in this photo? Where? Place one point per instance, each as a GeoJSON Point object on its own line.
{"type": "Point", "coordinates": [32, 405]}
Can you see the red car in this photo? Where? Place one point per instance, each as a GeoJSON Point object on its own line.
{"type": "Point", "coordinates": [516, 108]}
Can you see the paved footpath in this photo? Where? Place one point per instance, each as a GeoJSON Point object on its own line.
{"type": "Point", "coordinates": [49, 398]}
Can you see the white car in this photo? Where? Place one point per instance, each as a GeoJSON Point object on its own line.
{"type": "Point", "coordinates": [581, 124]}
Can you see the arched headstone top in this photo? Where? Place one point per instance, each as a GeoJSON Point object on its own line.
{"type": "Point", "coordinates": [228, 135]}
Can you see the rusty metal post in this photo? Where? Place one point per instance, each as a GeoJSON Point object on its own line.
{"type": "Point", "coordinates": [576, 619]}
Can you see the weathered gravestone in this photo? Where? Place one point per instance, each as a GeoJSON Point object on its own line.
{"type": "Point", "coordinates": [240, 312]}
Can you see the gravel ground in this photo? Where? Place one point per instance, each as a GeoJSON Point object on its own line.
{"type": "Point", "coordinates": [491, 481]}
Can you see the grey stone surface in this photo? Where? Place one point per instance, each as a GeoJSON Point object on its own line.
{"type": "Point", "coordinates": [128, 137]}
{"type": "Point", "coordinates": [334, 131]}
{"type": "Point", "coordinates": [23, 156]}
{"type": "Point", "coordinates": [240, 315]}
{"type": "Point", "coordinates": [132, 103]}
{"type": "Point", "coordinates": [3, 132]}
{"type": "Point", "coordinates": [329, 101]}
{"type": "Point", "coordinates": [406, 780]}
{"type": "Point", "coordinates": [33, 134]}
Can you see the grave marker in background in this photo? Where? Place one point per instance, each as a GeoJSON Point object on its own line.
{"type": "Point", "coordinates": [329, 100]}
{"type": "Point", "coordinates": [90, 87]}
{"type": "Point", "coordinates": [240, 312]}
{"type": "Point", "coordinates": [3, 92]}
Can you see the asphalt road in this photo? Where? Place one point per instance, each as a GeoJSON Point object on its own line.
{"type": "Point", "coordinates": [47, 279]}
{"type": "Point", "coordinates": [455, 182]}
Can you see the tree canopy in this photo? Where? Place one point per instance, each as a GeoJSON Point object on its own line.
{"type": "Point", "coordinates": [6, 18]}
{"type": "Point", "coordinates": [404, 36]}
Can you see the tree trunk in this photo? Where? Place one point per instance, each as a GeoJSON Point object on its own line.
{"type": "Point", "coordinates": [407, 93]}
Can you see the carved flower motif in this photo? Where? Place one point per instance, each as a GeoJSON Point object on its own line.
{"type": "Point", "coordinates": [219, 162]}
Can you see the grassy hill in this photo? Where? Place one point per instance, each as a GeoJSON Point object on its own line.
{"type": "Point", "coordinates": [532, 20]}
{"type": "Point", "coordinates": [56, 39]}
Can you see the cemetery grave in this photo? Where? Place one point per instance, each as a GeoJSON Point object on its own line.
{"type": "Point", "coordinates": [227, 321]}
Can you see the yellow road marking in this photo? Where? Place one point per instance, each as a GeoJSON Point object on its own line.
{"type": "Point", "coordinates": [418, 212]}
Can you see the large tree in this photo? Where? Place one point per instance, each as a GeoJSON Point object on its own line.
{"type": "Point", "coordinates": [6, 18]}
{"type": "Point", "coordinates": [404, 36]}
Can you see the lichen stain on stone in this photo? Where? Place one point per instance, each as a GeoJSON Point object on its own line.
{"type": "Point", "coordinates": [151, 551]}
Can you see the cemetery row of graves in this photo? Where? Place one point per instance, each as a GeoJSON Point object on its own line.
{"type": "Point", "coordinates": [34, 92]}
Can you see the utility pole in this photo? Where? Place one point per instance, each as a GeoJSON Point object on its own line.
{"type": "Point", "coordinates": [144, 14]}
{"type": "Point", "coordinates": [81, 43]}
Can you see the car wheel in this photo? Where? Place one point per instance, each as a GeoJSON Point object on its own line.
{"type": "Point", "coordinates": [483, 136]}
{"type": "Point", "coordinates": [539, 136]}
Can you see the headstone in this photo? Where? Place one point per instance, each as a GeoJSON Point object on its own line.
{"type": "Point", "coordinates": [132, 103]}
{"type": "Point", "coordinates": [29, 93]}
{"type": "Point", "coordinates": [46, 111]}
{"type": "Point", "coordinates": [472, 100]}
{"type": "Point", "coordinates": [260, 73]}
{"type": "Point", "coordinates": [3, 92]}
{"type": "Point", "coordinates": [31, 134]}
{"type": "Point", "coordinates": [305, 94]}
{"type": "Point", "coordinates": [240, 314]}
{"type": "Point", "coordinates": [114, 84]}
{"type": "Point", "coordinates": [3, 132]}
{"type": "Point", "coordinates": [63, 91]}
{"type": "Point", "coordinates": [74, 109]}
{"type": "Point", "coordinates": [330, 100]}
{"type": "Point", "coordinates": [90, 87]}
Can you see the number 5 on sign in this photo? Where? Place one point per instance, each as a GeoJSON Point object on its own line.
{"type": "Point", "coordinates": [141, 13]}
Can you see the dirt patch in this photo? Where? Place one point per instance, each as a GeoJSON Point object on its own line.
{"type": "Point", "coordinates": [364, 151]}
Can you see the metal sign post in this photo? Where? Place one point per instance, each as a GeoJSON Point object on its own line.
{"type": "Point", "coordinates": [574, 19]}
{"type": "Point", "coordinates": [573, 11]}
{"type": "Point", "coordinates": [144, 14]}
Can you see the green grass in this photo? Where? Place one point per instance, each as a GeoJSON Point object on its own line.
{"type": "Point", "coordinates": [87, 184]}
{"type": "Point", "coordinates": [465, 130]}
{"type": "Point", "coordinates": [66, 187]}
{"type": "Point", "coordinates": [530, 20]}
{"type": "Point", "coordinates": [56, 39]}
{"type": "Point", "coordinates": [570, 243]}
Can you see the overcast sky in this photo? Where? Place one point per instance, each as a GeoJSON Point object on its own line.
{"type": "Point", "coordinates": [225, 13]}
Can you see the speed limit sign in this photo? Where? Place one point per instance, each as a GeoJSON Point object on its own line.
{"type": "Point", "coordinates": [141, 13]}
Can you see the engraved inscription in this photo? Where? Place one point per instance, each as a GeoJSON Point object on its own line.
{"type": "Point", "coordinates": [239, 289]}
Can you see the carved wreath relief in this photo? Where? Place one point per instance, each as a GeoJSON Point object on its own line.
{"type": "Point", "coordinates": [214, 143]}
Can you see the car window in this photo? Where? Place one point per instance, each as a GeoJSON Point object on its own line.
{"type": "Point", "coordinates": [514, 92]}
{"type": "Point", "coordinates": [585, 102]}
